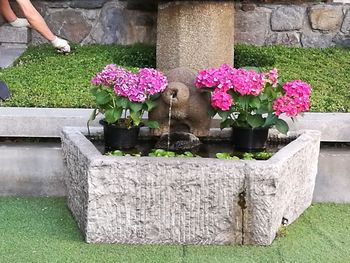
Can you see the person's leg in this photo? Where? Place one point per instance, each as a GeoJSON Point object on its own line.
{"type": "Point", "coordinates": [35, 19]}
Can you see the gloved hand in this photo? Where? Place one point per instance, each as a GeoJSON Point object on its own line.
{"type": "Point", "coordinates": [61, 45]}
{"type": "Point", "coordinates": [20, 22]}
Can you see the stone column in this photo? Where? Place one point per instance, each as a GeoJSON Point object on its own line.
{"type": "Point", "coordinates": [195, 34]}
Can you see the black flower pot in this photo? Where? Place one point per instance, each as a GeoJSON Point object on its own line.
{"type": "Point", "coordinates": [119, 138]}
{"type": "Point", "coordinates": [249, 139]}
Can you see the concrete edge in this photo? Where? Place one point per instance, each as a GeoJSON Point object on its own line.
{"type": "Point", "coordinates": [48, 122]}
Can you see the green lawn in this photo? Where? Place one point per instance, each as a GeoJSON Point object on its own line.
{"type": "Point", "coordinates": [43, 78]}
{"type": "Point", "coordinates": [42, 230]}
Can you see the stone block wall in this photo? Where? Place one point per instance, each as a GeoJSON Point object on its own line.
{"type": "Point", "coordinates": [301, 25]}
{"type": "Point", "coordinates": [95, 21]}
{"type": "Point", "coordinates": [293, 23]}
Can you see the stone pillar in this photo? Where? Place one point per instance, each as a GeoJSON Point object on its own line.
{"type": "Point", "coordinates": [195, 34]}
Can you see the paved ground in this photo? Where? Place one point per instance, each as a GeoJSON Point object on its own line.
{"type": "Point", "coordinates": [9, 54]}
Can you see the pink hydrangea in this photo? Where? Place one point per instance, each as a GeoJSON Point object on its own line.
{"type": "Point", "coordinates": [248, 82]}
{"type": "Point", "coordinates": [109, 75]}
{"type": "Point", "coordinates": [285, 105]}
{"type": "Point", "coordinates": [152, 81]}
{"type": "Point", "coordinates": [290, 106]}
{"type": "Point", "coordinates": [206, 78]}
{"type": "Point", "coordinates": [135, 87]}
{"type": "Point", "coordinates": [296, 89]}
{"type": "Point", "coordinates": [295, 100]}
{"type": "Point", "coordinates": [272, 77]}
{"type": "Point", "coordinates": [245, 82]}
{"type": "Point", "coordinates": [129, 87]}
{"type": "Point", "coordinates": [221, 100]}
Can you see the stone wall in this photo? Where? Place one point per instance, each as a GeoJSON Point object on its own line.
{"type": "Point", "coordinates": [96, 21]}
{"type": "Point", "coordinates": [305, 24]}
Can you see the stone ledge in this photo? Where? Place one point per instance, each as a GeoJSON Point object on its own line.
{"type": "Point", "coordinates": [9, 34]}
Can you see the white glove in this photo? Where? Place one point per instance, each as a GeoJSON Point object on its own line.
{"type": "Point", "coordinates": [20, 22]}
{"type": "Point", "coordinates": [61, 45]}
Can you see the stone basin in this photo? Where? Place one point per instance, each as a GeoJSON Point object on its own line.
{"type": "Point", "coordinates": [147, 200]}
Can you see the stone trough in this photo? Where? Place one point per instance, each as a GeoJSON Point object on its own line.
{"type": "Point", "coordinates": [148, 200]}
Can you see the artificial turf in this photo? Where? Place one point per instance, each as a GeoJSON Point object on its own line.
{"type": "Point", "coordinates": [42, 230]}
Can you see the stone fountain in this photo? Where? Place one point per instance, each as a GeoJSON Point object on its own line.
{"type": "Point", "coordinates": [145, 200]}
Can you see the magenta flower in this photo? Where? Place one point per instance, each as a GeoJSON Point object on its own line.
{"type": "Point", "coordinates": [152, 81]}
{"type": "Point", "coordinates": [272, 77]}
{"type": "Point", "coordinates": [248, 82]}
{"type": "Point", "coordinates": [297, 88]}
{"type": "Point", "coordinates": [221, 100]}
{"type": "Point", "coordinates": [109, 75]}
{"type": "Point", "coordinates": [206, 78]}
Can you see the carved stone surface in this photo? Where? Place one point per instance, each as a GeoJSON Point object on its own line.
{"type": "Point", "coordinates": [145, 200]}
{"type": "Point", "coordinates": [190, 105]}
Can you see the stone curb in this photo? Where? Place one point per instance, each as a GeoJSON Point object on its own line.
{"type": "Point", "coordinates": [48, 122]}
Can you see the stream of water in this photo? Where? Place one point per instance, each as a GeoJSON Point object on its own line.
{"type": "Point", "coordinates": [169, 121]}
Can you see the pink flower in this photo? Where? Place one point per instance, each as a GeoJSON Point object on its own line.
{"type": "Point", "coordinates": [221, 100]}
{"type": "Point", "coordinates": [109, 75]}
{"type": "Point", "coordinates": [129, 87]}
{"type": "Point", "coordinates": [272, 77]}
{"type": "Point", "coordinates": [206, 78]}
{"type": "Point", "coordinates": [247, 82]}
{"type": "Point", "coordinates": [152, 81]}
{"type": "Point", "coordinates": [285, 105]}
{"type": "Point", "coordinates": [290, 106]}
{"type": "Point", "coordinates": [297, 88]}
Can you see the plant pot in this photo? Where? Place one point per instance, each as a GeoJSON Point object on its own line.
{"type": "Point", "coordinates": [119, 138]}
{"type": "Point", "coordinates": [249, 139]}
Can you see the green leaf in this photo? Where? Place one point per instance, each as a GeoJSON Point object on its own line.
{"type": "Point", "coordinates": [135, 116]}
{"type": "Point", "coordinates": [226, 123]}
{"type": "Point", "coordinates": [254, 102]}
{"type": "Point", "coordinates": [122, 102]}
{"type": "Point", "coordinates": [243, 101]}
{"type": "Point", "coordinates": [255, 120]}
{"type": "Point", "coordinates": [135, 107]}
{"type": "Point", "coordinates": [94, 91]}
{"type": "Point", "coordinates": [224, 115]}
{"type": "Point", "coordinates": [222, 155]}
{"type": "Point", "coordinates": [211, 112]}
{"type": "Point", "coordinates": [264, 108]}
{"type": "Point", "coordinates": [152, 124]}
{"type": "Point", "coordinates": [282, 126]}
{"type": "Point", "coordinates": [113, 115]}
{"type": "Point", "coordinates": [103, 97]}
{"type": "Point", "coordinates": [150, 105]}
{"type": "Point", "coordinates": [270, 120]}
